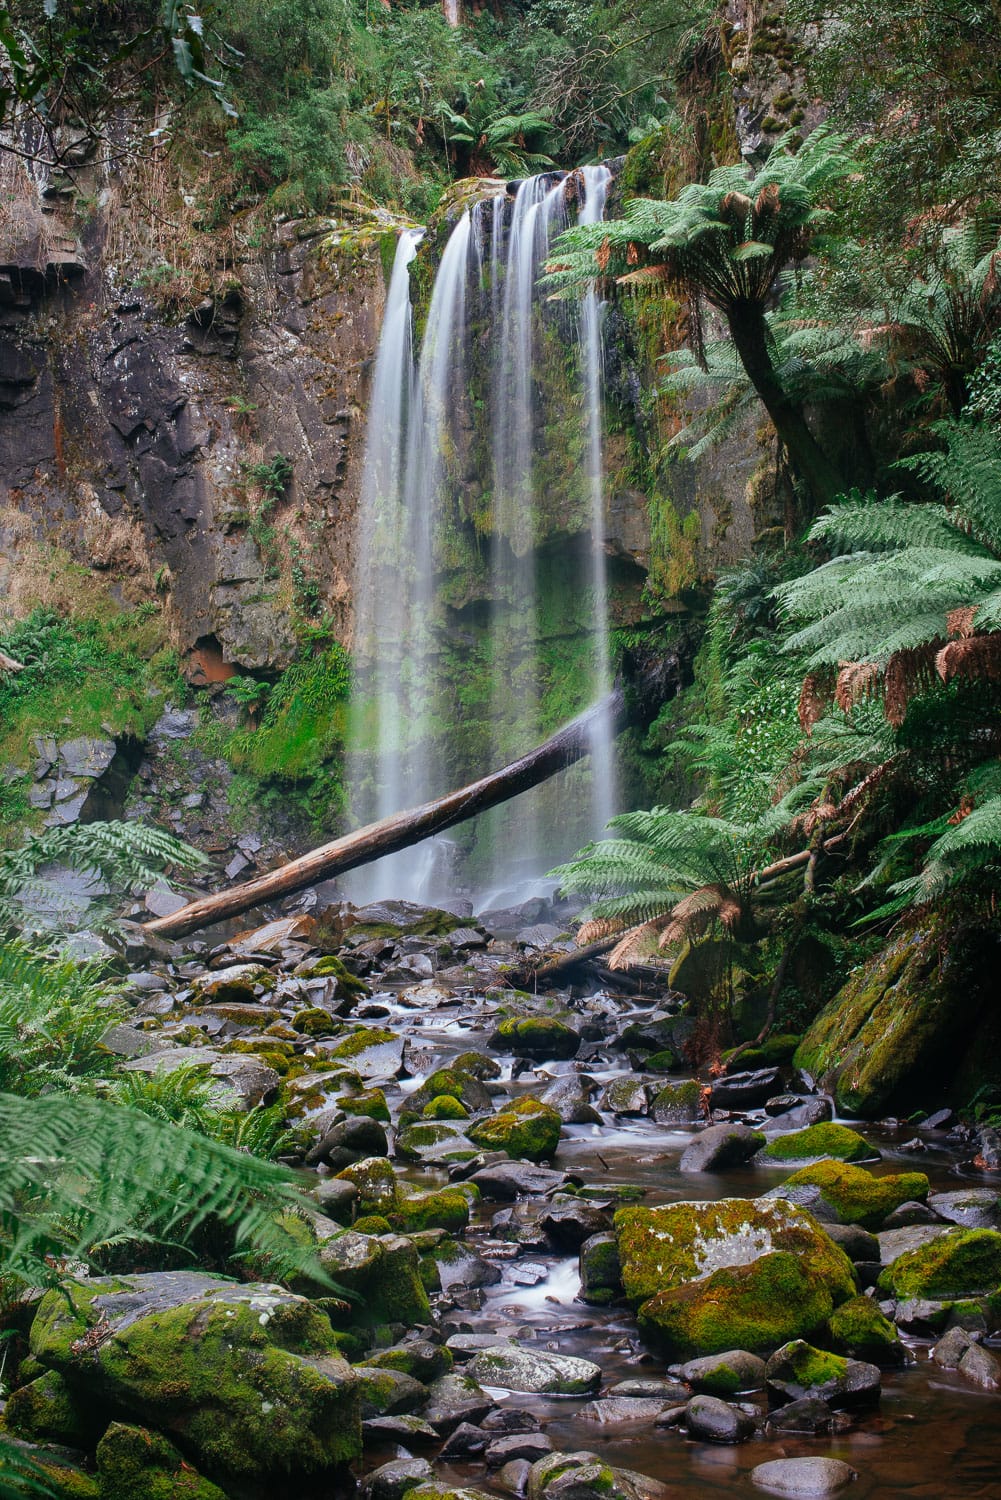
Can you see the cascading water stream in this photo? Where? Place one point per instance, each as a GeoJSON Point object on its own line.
{"type": "Point", "coordinates": [416, 500]}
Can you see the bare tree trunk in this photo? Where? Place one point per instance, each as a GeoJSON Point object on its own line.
{"type": "Point", "coordinates": [402, 830]}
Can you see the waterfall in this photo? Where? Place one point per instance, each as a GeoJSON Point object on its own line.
{"type": "Point", "coordinates": [434, 504]}
{"type": "Point", "coordinates": [604, 793]}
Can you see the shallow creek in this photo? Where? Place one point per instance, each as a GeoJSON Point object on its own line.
{"type": "Point", "coordinates": [933, 1435]}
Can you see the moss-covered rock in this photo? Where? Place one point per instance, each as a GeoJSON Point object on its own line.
{"type": "Point", "coordinates": [478, 1064]}
{"type": "Point", "coordinates": [45, 1411]}
{"type": "Point", "coordinates": [452, 1083]}
{"type": "Point", "coordinates": [372, 1224]}
{"type": "Point", "coordinates": [678, 1103]}
{"type": "Point", "coordinates": [420, 1359]}
{"type": "Point", "coordinates": [386, 1392]}
{"type": "Point", "coordinates": [384, 1275]}
{"type": "Point", "coordinates": [757, 1306]}
{"type": "Point", "coordinates": [819, 1141]}
{"type": "Point", "coordinates": [536, 1036]}
{"type": "Point", "coordinates": [313, 1020]}
{"type": "Point", "coordinates": [668, 1247]}
{"type": "Point", "coordinates": [856, 1196]}
{"type": "Point", "coordinates": [445, 1107]}
{"type": "Point", "coordinates": [859, 1329]}
{"type": "Point", "coordinates": [447, 1209]}
{"type": "Point", "coordinates": [245, 1380]}
{"type": "Point", "coordinates": [600, 1271]}
{"type": "Point", "coordinates": [892, 1036]}
{"type": "Point", "coordinates": [775, 1049]}
{"type": "Point", "coordinates": [368, 1102]}
{"type": "Point", "coordinates": [434, 1141]}
{"type": "Point", "coordinates": [371, 1049]}
{"type": "Point", "coordinates": [959, 1263]}
{"type": "Point", "coordinates": [132, 1461]}
{"type": "Point", "coordinates": [332, 967]}
{"type": "Point", "coordinates": [526, 1129]}
{"type": "Point", "coordinates": [378, 1189]}
{"type": "Point", "coordinates": [66, 1479]}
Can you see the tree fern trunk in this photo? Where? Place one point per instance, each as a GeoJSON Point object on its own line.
{"type": "Point", "coordinates": [812, 467]}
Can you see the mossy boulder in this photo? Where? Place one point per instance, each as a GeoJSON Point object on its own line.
{"type": "Point", "coordinates": [384, 1275]}
{"type": "Point", "coordinates": [906, 1021]}
{"type": "Point", "coordinates": [65, 1478]}
{"type": "Point", "coordinates": [246, 1380]}
{"type": "Point", "coordinates": [332, 967]}
{"type": "Point", "coordinates": [856, 1196]}
{"type": "Point", "coordinates": [313, 1020]}
{"type": "Point", "coordinates": [452, 1083]}
{"type": "Point", "coordinates": [859, 1329]}
{"type": "Point", "coordinates": [372, 1224]}
{"type": "Point", "coordinates": [372, 1051]}
{"type": "Point", "coordinates": [817, 1142]}
{"type": "Point", "coordinates": [419, 1359]}
{"type": "Point", "coordinates": [679, 1243]}
{"type": "Point", "coordinates": [526, 1129]}
{"type": "Point", "coordinates": [726, 1374]}
{"type": "Point", "coordinates": [434, 1141]}
{"type": "Point", "coordinates": [378, 1189]}
{"type": "Point", "coordinates": [600, 1271]}
{"type": "Point", "coordinates": [536, 1036]}
{"type": "Point", "coordinates": [799, 1369]}
{"type": "Point", "coordinates": [368, 1102]}
{"type": "Point", "coordinates": [959, 1263]}
{"type": "Point", "coordinates": [445, 1107]}
{"type": "Point", "coordinates": [775, 1049]}
{"type": "Point", "coordinates": [46, 1411]}
{"type": "Point", "coordinates": [386, 1393]}
{"type": "Point", "coordinates": [447, 1209]}
{"type": "Point", "coordinates": [757, 1306]}
{"type": "Point", "coordinates": [678, 1103]}
{"type": "Point", "coordinates": [132, 1461]}
{"type": "Point", "coordinates": [478, 1063]}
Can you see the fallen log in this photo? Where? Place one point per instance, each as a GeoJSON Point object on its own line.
{"type": "Point", "coordinates": [404, 829]}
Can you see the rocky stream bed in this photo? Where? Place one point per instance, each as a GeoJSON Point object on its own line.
{"type": "Point", "coordinates": [565, 1267]}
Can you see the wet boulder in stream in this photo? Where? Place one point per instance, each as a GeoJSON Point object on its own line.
{"type": "Point", "coordinates": [526, 1129]}
{"type": "Point", "coordinates": [517, 1367]}
{"type": "Point", "coordinates": [721, 1146]}
{"type": "Point", "coordinates": [536, 1036]}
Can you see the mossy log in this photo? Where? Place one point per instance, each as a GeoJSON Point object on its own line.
{"type": "Point", "coordinates": [404, 829]}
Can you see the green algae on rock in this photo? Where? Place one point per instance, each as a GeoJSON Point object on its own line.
{"type": "Point", "coordinates": [857, 1196]}
{"type": "Point", "coordinates": [526, 1129]}
{"type": "Point", "coordinates": [46, 1411]}
{"type": "Point", "coordinates": [816, 1142]}
{"type": "Point", "coordinates": [960, 1263]}
{"type": "Point", "coordinates": [245, 1379]}
{"type": "Point", "coordinates": [446, 1209]}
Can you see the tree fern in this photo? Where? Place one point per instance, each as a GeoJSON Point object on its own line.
{"type": "Point", "coordinates": [128, 857]}
{"type": "Point", "coordinates": [76, 1173]}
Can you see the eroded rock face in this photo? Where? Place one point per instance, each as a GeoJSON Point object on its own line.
{"type": "Point", "coordinates": [246, 1380]}
{"type": "Point", "coordinates": [166, 414]}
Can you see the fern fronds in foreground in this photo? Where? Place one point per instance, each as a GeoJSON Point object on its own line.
{"type": "Point", "coordinates": [20, 1476]}
{"type": "Point", "coordinates": [76, 1173]}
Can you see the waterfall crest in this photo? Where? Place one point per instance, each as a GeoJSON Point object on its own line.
{"type": "Point", "coordinates": [487, 336]}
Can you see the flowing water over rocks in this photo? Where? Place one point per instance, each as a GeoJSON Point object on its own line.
{"type": "Point", "coordinates": [551, 1301]}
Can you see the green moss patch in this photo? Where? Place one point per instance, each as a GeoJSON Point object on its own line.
{"type": "Point", "coordinates": [819, 1141]}
{"type": "Point", "coordinates": [536, 1036]}
{"type": "Point", "coordinates": [859, 1329]}
{"type": "Point", "coordinates": [526, 1129]}
{"type": "Point", "coordinates": [959, 1263]}
{"type": "Point", "coordinates": [858, 1197]}
{"type": "Point", "coordinates": [756, 1307]}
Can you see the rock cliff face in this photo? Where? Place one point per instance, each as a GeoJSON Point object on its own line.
{"type": "Point", "coordinates": [120, 418]}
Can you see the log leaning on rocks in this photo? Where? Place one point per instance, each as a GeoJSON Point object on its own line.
{"type": "Point", "coordinates": [404, 829]}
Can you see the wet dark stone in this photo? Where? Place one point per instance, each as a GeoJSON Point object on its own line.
{"type": "Point", "coordinates": [744, 1090]}
{"type": "Point", "coordinates": [721, 1146]}
{"type": "Point", "coordinates": [710, 1420]}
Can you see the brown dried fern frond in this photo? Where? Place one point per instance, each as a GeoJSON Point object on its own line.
{"type": "Point", "coordinates": [908, 673]}
{"type": "Point", "coordinates": [977, 656]}
{"type": "Point", "coordinates": [597, 929]}
{"type": "Point", "coordinates": [856, 680]}
{"type": "Point", "coordinates": [959, 622]}
{"type": "Point", "coordinates": [603, 254]}
{"type": "Point", "coordinates": [814, 697]}
{"type": "Point", "coordinates": [645, 276]}
{"type": "Point", "coordinates": [862, 790]}
{"type": "Point", "coordinates": [635, 940]}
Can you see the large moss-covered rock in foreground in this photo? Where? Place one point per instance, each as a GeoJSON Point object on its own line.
{"type": "Point", "coordinates": [748, 1274]}
{"type": "Point", "coordinates": [755, 1306]}
{"type": "Point", "coordinates": [908, 1023]}
{"type": "Point", "coordinates": [245, 1380]}
{"type": "Point", "coordinates": [960, 1263]}
{"type": "Point", "coordinates": [855, 1196]}
{"type": "Point", "coordinates": [527, 1130]}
